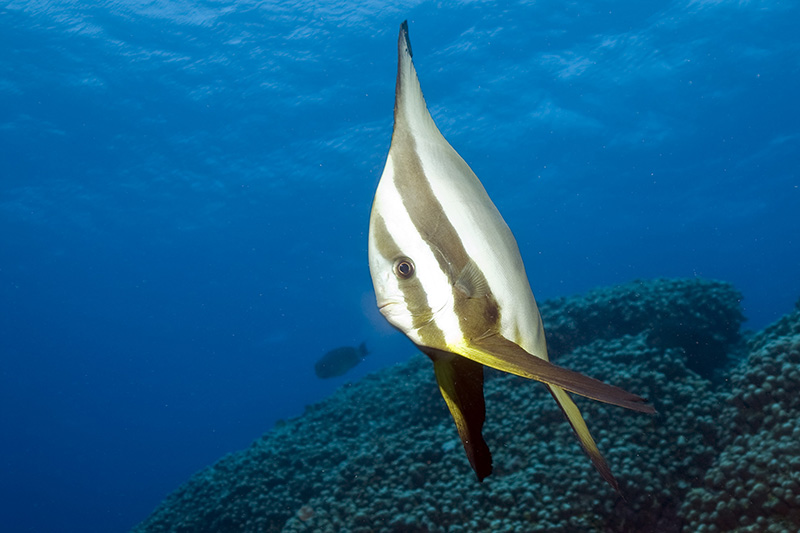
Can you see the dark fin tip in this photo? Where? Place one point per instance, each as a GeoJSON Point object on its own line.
{"type": "Point", "coordinates": [602, 467]}
{"type": "Point", "coordinates": [483, 469]}
{"type": "Point", "coordinates": [404, 33]}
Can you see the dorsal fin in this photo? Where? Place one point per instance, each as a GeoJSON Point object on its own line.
{"type": "Point", "coordinates": [410, 110]}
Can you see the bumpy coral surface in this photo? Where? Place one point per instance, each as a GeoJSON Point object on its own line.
{"type": "Point", "coordinates": [383, 454]}
{"type": "Point", "coordinates": [754, 484]}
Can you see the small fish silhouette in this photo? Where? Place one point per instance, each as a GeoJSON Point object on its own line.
{"type": "Point", "coordinates": [339, 361]}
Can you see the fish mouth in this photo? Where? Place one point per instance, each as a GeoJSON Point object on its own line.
{"type": "Point", "coordinates": [385, 306]}
{"type": "Point", "coordinates": [428, 317]}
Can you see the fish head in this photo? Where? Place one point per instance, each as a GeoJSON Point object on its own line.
{"type": "Point", "coordinates": [411, 290]}
{"type": "Point", "coordinates": [431, 219]}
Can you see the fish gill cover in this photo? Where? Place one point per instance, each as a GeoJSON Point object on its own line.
{"type": "Point", "coordinates": [382, 455]}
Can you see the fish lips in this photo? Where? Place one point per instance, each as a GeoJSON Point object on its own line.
{"type": "Point", "coordinates": [412, 325]}
{"type": "Point", "coordinates": [391, 308]}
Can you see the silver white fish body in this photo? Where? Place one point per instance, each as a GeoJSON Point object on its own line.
{"type": "Point", "coordinates": [448, 273]}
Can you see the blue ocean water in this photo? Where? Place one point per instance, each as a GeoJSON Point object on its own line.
{"type": "Point", "coordinates": [185, 189]}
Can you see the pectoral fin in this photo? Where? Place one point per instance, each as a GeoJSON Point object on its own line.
{"type": "Point", "coordinates": [471, 281]}
{"type": "Point", "coordinates": [500, 353]}
{"type": "Point", "coordinates": [461, 384]}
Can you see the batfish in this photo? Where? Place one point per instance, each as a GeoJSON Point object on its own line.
{"type": "Point", "coordinates": [339, 361]}
{"type": "Point", "coordinates": [447, 272]}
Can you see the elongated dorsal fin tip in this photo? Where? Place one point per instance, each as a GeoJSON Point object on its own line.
{"type": "Point", "coordinates": [404, 36]}
{"type": "Point", "coordinates": [410, 111]}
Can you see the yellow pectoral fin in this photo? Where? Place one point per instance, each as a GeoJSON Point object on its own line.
{"type": "Point", "coordinates": [578, 424]}
{"type": "Point", "coordinates": [461, 384]}
{"type": "Point", "coordinates": [500, 353]}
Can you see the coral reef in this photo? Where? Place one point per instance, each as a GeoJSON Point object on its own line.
{"type": "Point", "coordinates": [674, 313]}
{"type": "Point", "coordinates": [754, 483]}
{"type": "Point", "coordinates": [383, 455]}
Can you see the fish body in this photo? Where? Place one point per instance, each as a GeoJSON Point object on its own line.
{"type": "Point", "coordinates": [447, 272]}
{"type": "Point", "coordinates": [339, 361]}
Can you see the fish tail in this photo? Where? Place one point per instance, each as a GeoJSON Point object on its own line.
{"type": "Point", "coordinates": [362, 349]}
{"type": "Point", "coordinates": [580, 428]}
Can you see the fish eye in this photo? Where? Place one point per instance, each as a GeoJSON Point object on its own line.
{"type": "Point", "coordinates": [404, 268]}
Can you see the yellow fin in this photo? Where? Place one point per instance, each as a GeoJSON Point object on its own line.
{"type": "Point", "coordinates": [500, 353]}
{"type": "Point", "coordinates": [580, 428]}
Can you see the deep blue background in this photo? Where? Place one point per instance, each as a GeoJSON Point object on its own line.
{"type": "Point", "coordinates": [185, 190]}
